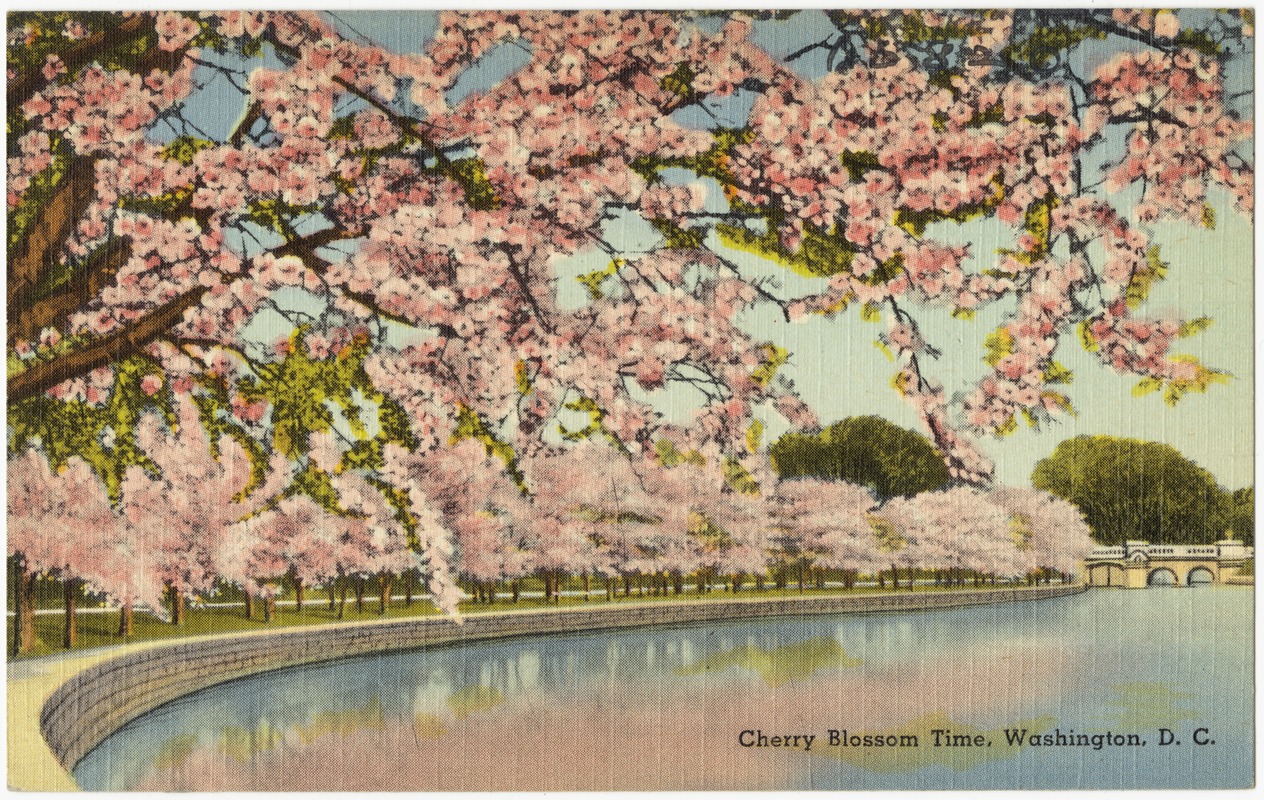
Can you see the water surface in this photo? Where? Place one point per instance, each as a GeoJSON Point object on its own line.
{"type": "Point", "coordinates": [670, 708]}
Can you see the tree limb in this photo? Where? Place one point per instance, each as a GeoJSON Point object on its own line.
{"type": "Point", "coordinates": [129, 339]}
{"type": "Point", "coordinates": [27, 320]}
{"type": "Point", "coordinates": [33, 256]}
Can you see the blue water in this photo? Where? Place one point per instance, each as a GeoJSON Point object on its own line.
{"type": "Point", "coordinates": [668, 708]}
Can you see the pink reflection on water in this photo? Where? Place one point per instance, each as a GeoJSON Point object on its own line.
{"type": "Point", "coordinates": [645, 735]}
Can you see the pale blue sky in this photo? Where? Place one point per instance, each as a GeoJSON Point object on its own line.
{"type": "Point", "coordinates": [835, 365]}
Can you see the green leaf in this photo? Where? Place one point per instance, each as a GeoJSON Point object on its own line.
{"type": "Point", "coordinates": [471, 174]}
{"type": "Point", "coordinates": [680, 81]}
{"type": "Point", "coordinates": [596, 424]}
{"type": "Point", "coordinates": [670, 456]}
{"type": "Point", "coordinates": [738, 478]}
{"type": "Point", "coordinates": [592, 281]}
{"type": "Point", "coordinates": [753, 435]}
{"type": "Point", "coordinates": [1143, 280]}
{"type": "Point", "coordinates": [676, 237]}
{"type": "Point", "coordinates": [871, 312]}
{"type": "Point", "coordinates": [184, 148]}
{"type": "Point", "coordinates": [471, 426]}
{"type": "Point", "coordinates": [1061, 400]}
{"type": "Point", "coordinates": [1147, 386]}
{"type": "Point", "coordinates": [521, 378]}
{"type": "Point", "coordinates": [998, 344]}
{"type": "Point", "coordinates": [1006, 428]}
{"type": "Point", "coordinates": [858, 162]}
{"type": "Point", "coordinates": [774, 358]}
{"type": "Point", "coordinates": [1087, 340]}
{"type": "Point", "coordinates": [820, 255]}
{"type": "Point", "coordinates": [1194, 326]}
{"type": "Point", "coordinates": [886, 351]}
{"type": "Point", "coordinates": [1209, 217]}
{"type": "Point", "coordinates": [1055, 372]}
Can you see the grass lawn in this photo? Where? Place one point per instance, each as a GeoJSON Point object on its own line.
{"type": "Point", "coordinates": [101, 629]}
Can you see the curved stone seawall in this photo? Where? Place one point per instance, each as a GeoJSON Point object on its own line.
{"type": "Point", "coordinates": [90, 706]}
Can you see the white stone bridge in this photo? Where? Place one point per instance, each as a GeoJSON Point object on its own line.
{"type": "Point", "coordinates": [1137, 565]}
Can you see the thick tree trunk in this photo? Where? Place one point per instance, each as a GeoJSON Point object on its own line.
{"type": "Point", "coordinates": [895, 578]}
{"type": "Point", "coordinates": [359, 594]}
{"type": "Point", "coordinates": [384, 592]}
{"type": "Point", "coordinates": [24, 618]}
{"type": "Point", "coordinates": [678, 582]}
{"type": "Point", "coordinates": [342, 597]}
{"type": "Point", "coordinates": [269, 608]}
{"type": "Point", "coordinates": [249, 602]}
{"type": "Point", "coordinates": [125, 620]}
{"type": "Point", "coordinates": [800, 577]}
{"type": "Point", "coordinates": [70, 596]}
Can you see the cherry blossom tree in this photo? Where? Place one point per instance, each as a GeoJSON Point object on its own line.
{"type": "Point", "coordinates": [1048, 532]}
{"type": "Point", "coordinates": [828, 522]}
{"type": "Point", "coordinates": [79, 540]}
{"type": "Point", "coordinates": [409, 217]}
{"type": "Point", "coordinates": [182, 510]}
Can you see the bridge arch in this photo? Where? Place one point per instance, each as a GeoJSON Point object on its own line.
{"type": "Point", "coordinates": [1200, 576]}
{"type": "Point", "coordinates": [1107, 574]}
{"type": "Point", "coordinates": [1162, 577]}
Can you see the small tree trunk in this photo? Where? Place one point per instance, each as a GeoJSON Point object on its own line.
{"type": "Point", "coordinates": [384, 592]}
{"type": "Point", "coordinates": [249, 601]}
{"type": "Point", "coordinates": [298, 593]}
{"type": "Point", "coordinates": [895, 578]}
{"type": "Point", "coordinates": [176, 601]}
{"type": "Point", "coordinates": [759, 581]}
{"type": "Point", "coordinates": [408, 588]}
{"type": "Point", "coordinates": [359, 594]}
{"type": "Point", "coordinates": [517, 589]}
{"type": "Point", "coordinates": [269, 608]}
{"type": "Point", "coordinates": [24, 619]}
{"type": "Point", "coordinates": [70, 596]}
{"type": "Point", "coordinates": [342, 598]}
{"type": "Point", "coordinates": [125, 620]}
{"type": "Point", "coordinates": [587, 586]}
{"type": "Point", "coordinates": [678, 582]}
{"type": "Point", "coordinates": [800, 576]}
